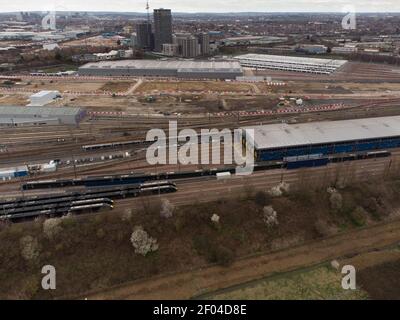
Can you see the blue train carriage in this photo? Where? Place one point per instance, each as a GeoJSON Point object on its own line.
{"type": "Point", "coordinates": [308, 161]}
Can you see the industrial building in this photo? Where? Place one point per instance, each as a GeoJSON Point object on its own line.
{"type": "Point", "coordinates": [42, 98]}
{"type": "Point", "coordinates": [165, 68]}
{"type": "Point", "coordinates": [12, 173]}
{"type": "Point", "coordinates": [280, 141]}
{"type": "Point", "coordinates": [286, 63]}
{"type": "Point", "coordinates": [20, 116]}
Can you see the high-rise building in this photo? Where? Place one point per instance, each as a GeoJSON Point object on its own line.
{"type": "Point", "coordinates": [144, 36]}
{"type": "Point", "coordinates": [162, 28]}
{"type": "Point", "coordinates": [188, 45]}
{"type": "Point", "coordinates": [204, 41]}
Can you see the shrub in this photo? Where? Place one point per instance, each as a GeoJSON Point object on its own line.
{"type": "Point", "coordinates": [358, 216]}
{"type": "Point", "coordinates": [336, 201]}
{"type": "Point", "coordinates": [126, 215]}
{"type": "Point", "coordinates": [213, 251]}
{"type": "Point", "coordinates": [224, 256]}
{"type": "Point", "coordinates": [167, 209]}
{"type": "Point", "coordinates": [52, 227]}
{"type": "Point", "coordinates": [30, 249]}
{"type": "Point", "coordinates": [142, 242]}
{"type": "Point", "coordinates": [323, 229]}
{"type": "Point", "coordinates": [280, 189]}
{"type": "Point", "coordinates": [215, 218]}
{"type": "Point", "coordinates": [270, 216]}
{"type": "Point", "coordinates": [260, 198]}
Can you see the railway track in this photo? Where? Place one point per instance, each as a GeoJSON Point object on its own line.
{"type": "Point", "coordinates": [84, 201]}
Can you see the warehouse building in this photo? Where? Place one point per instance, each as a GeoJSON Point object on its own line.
{"type": "Point", "coordinates": [42, 98]}
{"type": "Point", "coordinates": [285, 63]}
{"type": "Point", "coordinates": [165, 68]}
{"type": "Point", "coordinates": [280, 141]}
{"type": "Point", "coordinates": [12, 173]}
{"type": "Point", "coordinates": [20, 116]}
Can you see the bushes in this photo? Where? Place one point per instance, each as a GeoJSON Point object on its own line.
{"type": "Point", "coordinates": [261, 198]}
{"type": "Point", "coordinates": [167, 209]}
{"type": "Point", "coordinates": [213, 251]}
{"type": "Point", "coordinates": [336, 200]}
{"type": "Point", "coordinates": [270, 216]}
{"type": "Point", "coordinates": [30, 249]}
{"type": "Point", "coordinates": [358, 216]}
{"type": "Point", "coordinates": [280, 189]}
{"type": "Point", "coordinates": [52, 227]}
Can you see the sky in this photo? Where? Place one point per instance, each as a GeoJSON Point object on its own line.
{"type": "Point", "coordinates": [202, 5]}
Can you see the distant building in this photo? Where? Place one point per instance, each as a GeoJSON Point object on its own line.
{"type": "Point", "coordinates": [51, 46]}
{"type": "Point", "coordinates": [170, 49]}
{"type": "Point", "coordinates": [20, 116]}
{"type": "Point", "coordinates": [162, 28]}
{"type": "Point", "coordinates": [344, 50]}
{"type": "Point", "coordinates": [144, 36]}
{"type": "Point", "coordinates": [165, 68]}
{"type": "Point", "coordinates": [42, 98]}
{"type": "Point", "coordinates": [88, 57]}
{"type": "Point", "coordinates": [188, 45]}
{"type": "Point", "coordinates": [134, 41]}
{"type": "Point", "coordinates": [204, 42]}
{"type": "Point", "coordinates": [286, 63]}
{"type": "Point", "coordinates": [251, 40]}
{"type": "Point", "coordinates": [312, 49]}
{"type": "Point", "coordinates": [125, 54]}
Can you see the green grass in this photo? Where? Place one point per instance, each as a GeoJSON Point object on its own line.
{"type": "Point", "coordinates": [320, 283]}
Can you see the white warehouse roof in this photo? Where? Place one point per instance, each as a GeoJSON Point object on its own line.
{"type": "Point", "coordinates": [28, 112]}
{"type": "Point", "coordinates": [44, 93]}
{"type": "Point", "coordinates": [288, 63]}
{"type": "Point", "coordinates": [292, 135]}
{"type": "Point", "coordinates": [166, 64]}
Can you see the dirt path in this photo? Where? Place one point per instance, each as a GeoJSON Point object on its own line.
{"type": "Point", "coordinates": [189, 284]}
{"type": "Point", "coordinates": [134, 87]}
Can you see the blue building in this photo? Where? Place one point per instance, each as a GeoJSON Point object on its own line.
{"type": "Point", "coordinates": [276, 142]}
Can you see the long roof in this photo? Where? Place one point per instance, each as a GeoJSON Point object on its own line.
{"type": "Point", "coordinates": [289, 63]}
{"type": "Point", "coordinates": [48, 112]}
{"type": "Point", "coordinates": [232, 66]}
{"type": "Point", "coordinates": [291, 60]}
{"type": "Point", "coordinates": [291, 135]}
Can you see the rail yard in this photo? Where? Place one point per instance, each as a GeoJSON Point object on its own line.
{"type": "Point", "coordinates": [87, 158]}
{"type": "Point", "coordinates": [107, 142]}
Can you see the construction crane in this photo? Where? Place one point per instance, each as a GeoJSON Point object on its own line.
{"type": "Point", "coordinates": [148, 12]}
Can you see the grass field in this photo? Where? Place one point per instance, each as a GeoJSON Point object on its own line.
{"type": "Point", "coordinates": [316, 284]}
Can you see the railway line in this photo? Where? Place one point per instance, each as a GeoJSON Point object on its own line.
{"type": "Point", "coordinates": [84, 201]}
{"type": "Point", "coordinates": [211, 190]}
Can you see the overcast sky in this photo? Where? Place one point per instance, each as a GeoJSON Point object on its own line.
{"type": "Point", "coordinates": [201, 5]}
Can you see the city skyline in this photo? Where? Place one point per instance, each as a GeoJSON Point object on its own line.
{"type": "Point", "coordinates": [217, 6]}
